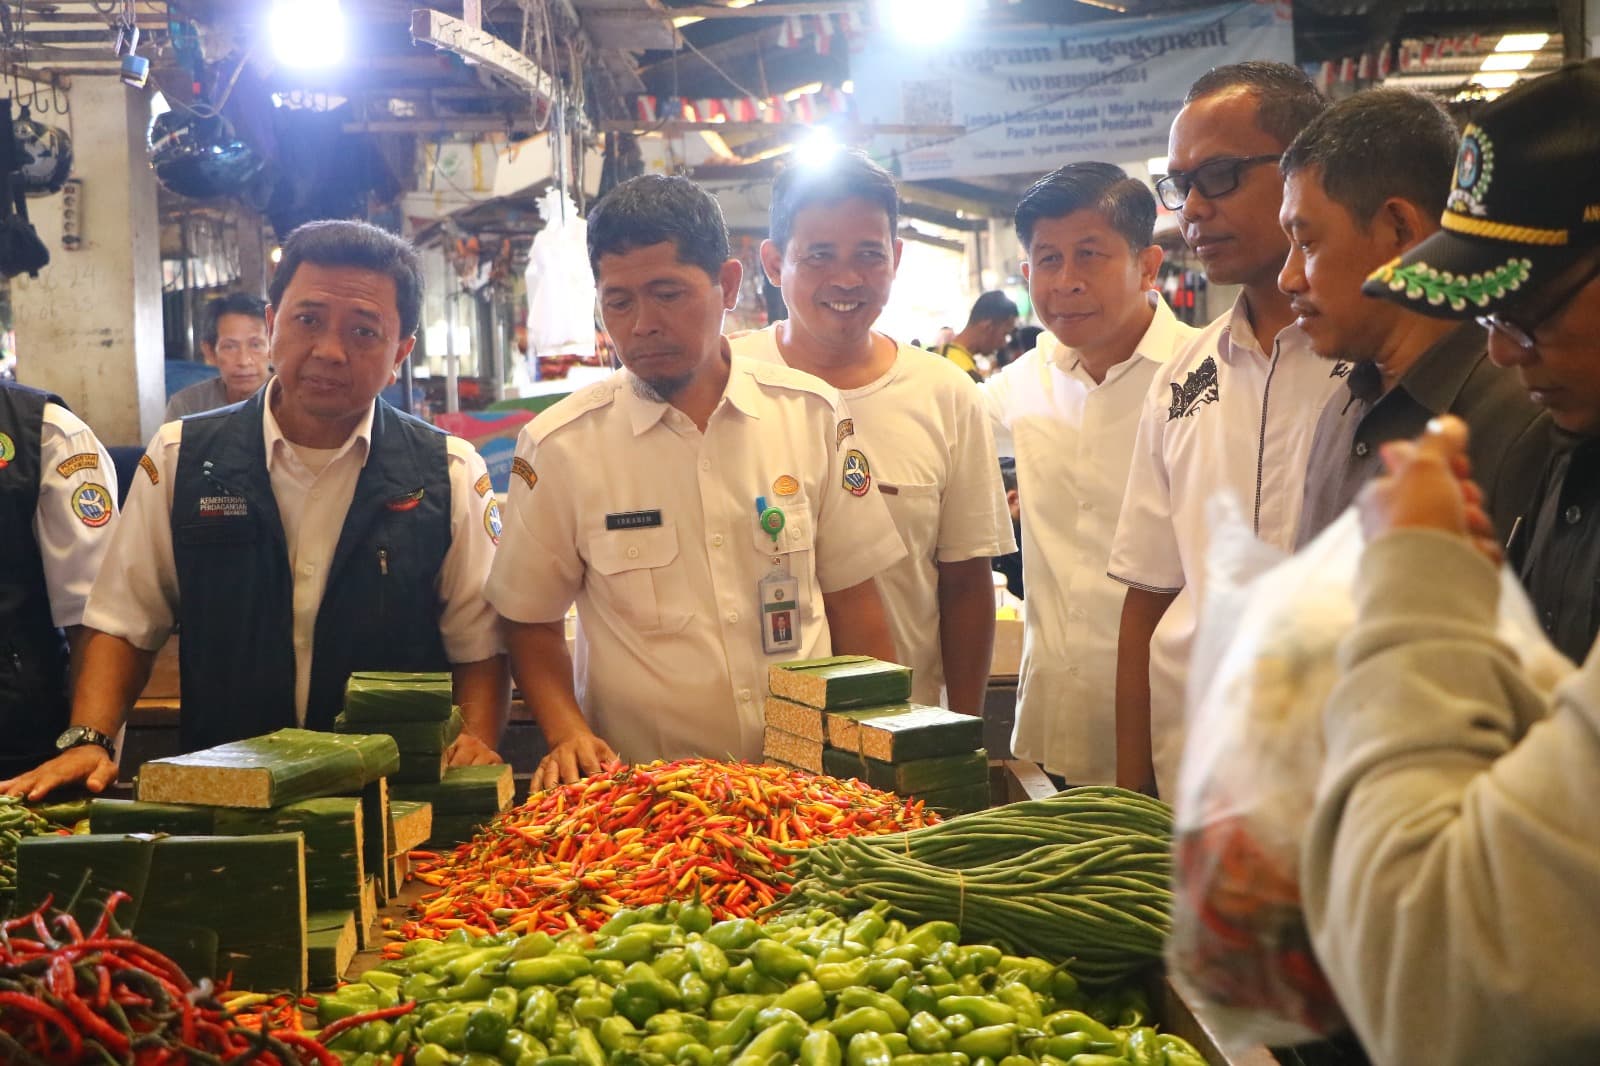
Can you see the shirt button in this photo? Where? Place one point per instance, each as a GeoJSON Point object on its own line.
{"type": "Point", "coordinates": [633, 553]}
{"type": "Point", "coordinates": [307, 569]}
{"type": "Point", "coordinates": [1574, 515]}
{"type": "Point", "coordinates": [744, 695]}
{"type": "Point", "coordinates": [733, 616]}
{"type": "Point", "coordinates": [1362, 449]}
{"type": "Point", "coordinates": [705, 464]}
{"type": "Point", "coordinates": [1086, 505]}
{"type": "Point", "coordinates": [716, 540]}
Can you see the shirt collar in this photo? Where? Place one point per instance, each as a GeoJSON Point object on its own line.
{"type": "Point", "coordinates": [741, 393]}
{"type": "Point", "coordinates": [277, 443]}
{"type": "Point", "coordinates": [1437, 377]}
{"type": "Point", "coordinates": [1156, 344]}
{"type": "Point", "coordinates": [1239, 337]}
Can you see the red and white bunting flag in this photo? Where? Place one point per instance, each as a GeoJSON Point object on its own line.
{"type": "Point", "coordinates": [743, 109]}
{"type": "Point", "coordinates": [792, 32]}
{"type": "Point", "coordinates": [823, 40]}
{"type": "Point", "coordinates": [1347, 70]}
{"type": "Point", "coordinates": [805, 110]}
{"type": "Point", "coordinates": [647, 108]}
{"type": "Point", "coordinates": [1364, 68]}
{"type": "Point", "coordinates": [1325, 76]}
{"type": "Point", "coordinates": [1385, 62]}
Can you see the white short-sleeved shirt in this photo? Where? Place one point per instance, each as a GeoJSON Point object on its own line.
{"type": "Point", "coordinates": [76, 513]}
{"type": "Point", "coordinates": [1073, 441]}
{"type": "Point", "coordinates": [136, 595]}
{"type": "Point", "coordinates": [621, 504]}
{"type": "Point", "coordinates": [1223, 417]}
{"type": "Point", "coordinates": [935, 465]}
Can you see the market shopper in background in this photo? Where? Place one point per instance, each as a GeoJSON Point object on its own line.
{"type": "Point", "coordinates": [990, 322]}
{"type": "Point", "coordinates": [834, 251]}
{"type": "Point", "coordinates": [1364, 183]}
{"type": "Point", "coordinates": [58, 503]}
{"type": "Point", "coordinates": [236, 343]}
{"type": "Point", "coordinates": [1234, 414]}
{"type": "Point", "coordinates": [310, 532]}
{"type": "Point", "coordinates": [1068, 410]}
{"type": "Point", "coordinates": [709, 514]}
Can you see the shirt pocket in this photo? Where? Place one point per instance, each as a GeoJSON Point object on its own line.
{"type": "Point", "coordinates": [795, 546]}
{"type": "Point", "coordinates": [641, 578]}
{"type": "Point", "coordinates": [915, 510]}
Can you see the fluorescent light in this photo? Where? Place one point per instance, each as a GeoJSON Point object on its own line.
{"type": "Point", "coordinates": [1507, 61]}
{"type": "Point", "coordinates": [1156, 164]}
{"type": "Point", "coordinates": [307, 33]}
{"type": "Point", "coordinates": [1496, 79]}
{"type": "Point", "coordinates": [686, 20]}
{"type": "Point", "coordinates": [1522, 42]}
{"type": "Point", "coordinates": [718, 146]}
{"type": "Point", "coordinates": [847, 87]}
{"type": "Point", "coordinates": [805, 90]}
{"type": "Point", "coordinates": [158, 104]}
{"type": "Point", "coordinates": [926, 22]}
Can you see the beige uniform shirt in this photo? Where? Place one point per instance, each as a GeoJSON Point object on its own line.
{"type": "Point", "coordinates": [934, 463]}
{"type": "Point", "coordinates": [76, 512]}
{"type": "Point", "coordinates": [621, 504]}
{"type": "Point", "coordinates": [1073, 440]}
{"type": "Point", "coordinates": [136, 596]}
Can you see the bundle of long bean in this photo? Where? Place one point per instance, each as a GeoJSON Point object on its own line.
{"type": "Point", "coordinates": [102, 997]}
{"type": "Point", "coordinates": [1082, 877]}
{"type": "Point", "coordinates": [574, 855]}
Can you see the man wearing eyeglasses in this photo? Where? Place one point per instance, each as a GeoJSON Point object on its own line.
{"type": "Point", "coordinates": [1454, 847]}
{"type": "Point", "coordinates": [1363, 183]}
{"type": "Point", "coordinates": [236, 344]}
{"type": "Point", "coordinates": [1234, 413]}
{"type": "Point", "coordinates": [1521, 252]}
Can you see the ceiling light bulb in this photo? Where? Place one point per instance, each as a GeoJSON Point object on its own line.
{"type": "Point", "coordinates": [818, 148]}
{"type": "Point", "coordinates": [307, 33]}
{"type": "Point", "coordinates": [926, 22]}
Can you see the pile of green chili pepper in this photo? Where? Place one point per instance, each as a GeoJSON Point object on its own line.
{"type": "Point", "coordinates": [665, 986]}
{"type": "Point", "coordinates": [16, 822]}
{"type": "Point", "coordinates": [102, 997]}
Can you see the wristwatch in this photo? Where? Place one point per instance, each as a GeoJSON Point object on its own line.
{"type": "Point", "coordinates": [79, 735]}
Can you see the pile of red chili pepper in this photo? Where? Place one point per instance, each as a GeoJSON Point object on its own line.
{"type": "Point", "coordinates": [103, 997]}
{"type": "Point", "coordinates": [573, 855]}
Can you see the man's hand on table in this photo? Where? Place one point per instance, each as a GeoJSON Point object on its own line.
{"type": "Point", "coordinates": [468, 750]}
{"type": "Point", "coordinates": [87, 764]}
{"type": "Point", "coordinates": [571, 759]}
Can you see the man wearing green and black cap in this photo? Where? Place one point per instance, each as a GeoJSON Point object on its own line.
{"type": "Point", "coordinates": [1453, 857]}
{"type": "Point", "coordinates": [1520, 252]}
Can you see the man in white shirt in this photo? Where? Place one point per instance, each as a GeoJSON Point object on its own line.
{"type": "Point", "coordinates": [1068, 410]}
{"type": "Point", "coordinates": [307, 533]}
{"type": "Point", "coordinates": [710, 515]}
{"type": "Point", "coordinates": [58, 500]}
{"type": "Point", "coordinates": [834, 251]}
{"type": "Point", "coordinates": [1234, 414]}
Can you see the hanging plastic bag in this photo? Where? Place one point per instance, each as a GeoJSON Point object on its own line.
{"type": "Point", "coordinates": [560, 283]}
{"type": "Point", "coordinates": [1270, 626]}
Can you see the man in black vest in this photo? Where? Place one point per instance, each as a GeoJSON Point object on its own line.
{"type": "Point", "coordinates": [58, 496]}
{"type": "Point", "coordinates": [308, 532]}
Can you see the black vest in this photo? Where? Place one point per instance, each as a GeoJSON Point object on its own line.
{"type": "Point", "coordinates": [380, 610]}
{"type": "Point", "coordinates": [34, 707]}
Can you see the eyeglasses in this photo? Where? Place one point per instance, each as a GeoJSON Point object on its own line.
{"type": "Point", "coordinates": [1216, 178]}
{"type": "Point", "coordinates": [1519, 329]}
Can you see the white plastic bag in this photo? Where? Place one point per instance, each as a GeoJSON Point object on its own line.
{"type": "Point", "coordinates": [1264, 665]}
{"type": "Point", "coordinates": [560, 283]}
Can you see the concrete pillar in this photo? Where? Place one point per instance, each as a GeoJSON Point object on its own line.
{"type": "Point", "coordinates": [1591, 26]}
{"type": "Point", "coordinates": [89, 326]}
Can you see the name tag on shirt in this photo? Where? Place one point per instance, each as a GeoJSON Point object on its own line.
{"type": "Point", "coordinates": [633, 520]}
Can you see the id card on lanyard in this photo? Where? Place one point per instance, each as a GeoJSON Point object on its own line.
{"type": "Point", "coordinates": [778, 593]}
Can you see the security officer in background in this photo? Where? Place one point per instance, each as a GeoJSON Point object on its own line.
{"type": "Point", "coordinates": [710, 515]}
{"type": "Point", "coordinates": [58, 496]}
{"type": "Point", "coordinates": [303, 534]}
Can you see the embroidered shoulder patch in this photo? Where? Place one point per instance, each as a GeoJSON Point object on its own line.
{"type": "Point", "coordinates": [8, 451]}
{"type": "Point", "coordinates": [1197, 390]}
{"type": "Point", "coordinates": [92, 504]}
{"type": "Point", "coordinates": [847, 428]}
{"type": "Point", "coordinates": [148, 465]}
{"type": "Point", "coordinates": [481, 486]}
{"type": "Point", "coordinates": [491, 520]}
{"type": "Point", "coordinates": [524, 470]}
{"type": "Point", "coordinates": [81, 461]}
{"type": "Point", "coordinates": [857, 473]}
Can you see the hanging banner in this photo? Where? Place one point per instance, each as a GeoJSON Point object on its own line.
{"type": "Point", "coordinates": [1032, 98]}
